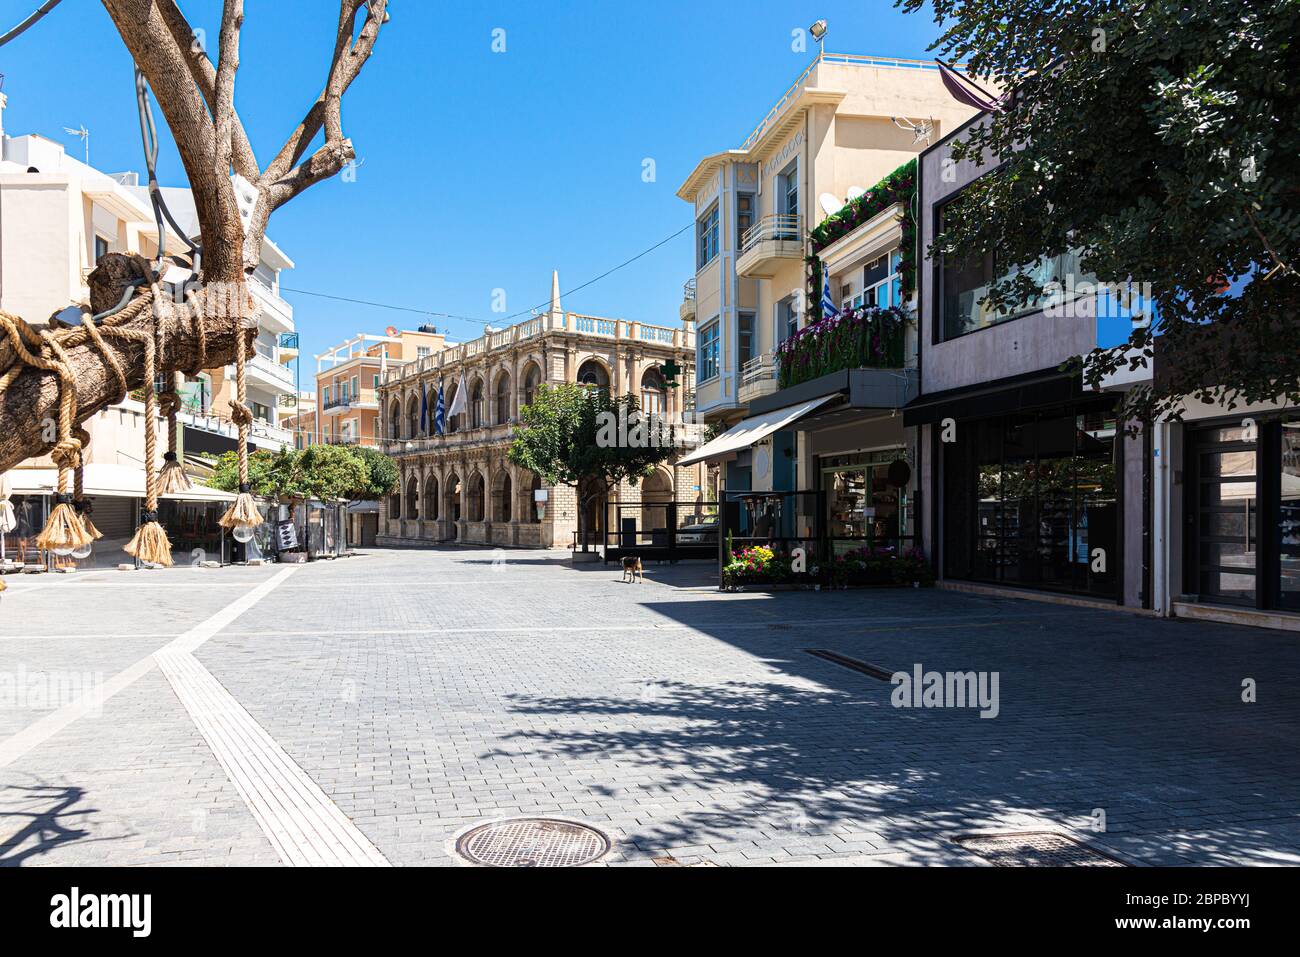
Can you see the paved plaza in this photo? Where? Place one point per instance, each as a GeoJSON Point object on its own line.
{"type": "Point", "coordinates": [367, 710]}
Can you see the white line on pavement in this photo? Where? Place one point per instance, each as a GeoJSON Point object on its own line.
{"type": "Point", "coordinates": [304, 826]}
{"type": "Point", "coordinates": [43, 729]}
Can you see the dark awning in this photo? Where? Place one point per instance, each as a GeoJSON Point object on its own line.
{"type": "Point", "coordinates": [1000, 397]}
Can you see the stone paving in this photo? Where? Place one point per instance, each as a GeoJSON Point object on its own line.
{"type": "Point", "coordinates": [426, 691]}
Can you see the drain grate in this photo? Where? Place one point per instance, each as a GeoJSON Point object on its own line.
{"type": "Point", "coordinates": [532, 842]}
{"type": "Point", "coordinates": [853, 664]}
{"type": "Point", "coordinates": [1036, 849]}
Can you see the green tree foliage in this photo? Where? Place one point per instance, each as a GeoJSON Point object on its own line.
{"type": "Point", "coordinates": [561, 440]}
{"type": "Point", "coordinates": [322, 472]}
{"type": "Point", "coordinates": [1159, 138]}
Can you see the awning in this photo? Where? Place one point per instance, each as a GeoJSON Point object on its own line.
{"type": "Point", "coordinates": [125, 481]}
{"type": "Point", "coordinates": [755, 428]}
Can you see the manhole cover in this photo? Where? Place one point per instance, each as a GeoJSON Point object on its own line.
{"type": "Point", "coordinates": [532, 842]}
{"type": "Point", "coordinates": [1036, 849]}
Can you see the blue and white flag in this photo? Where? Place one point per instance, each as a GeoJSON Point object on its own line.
{"type": "Point", "coordinates": [439, 414]}
{"type": "Point", "coordinates": [424, 410]}
{"type": "Point", "coordinates": [828, 304]}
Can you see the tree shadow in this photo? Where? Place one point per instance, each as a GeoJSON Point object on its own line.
{"type": "Point", "coordinates": [1139, 719]}
{"type": "Point", "coordinates": [44, 817]}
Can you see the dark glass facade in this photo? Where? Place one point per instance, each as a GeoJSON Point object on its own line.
{"type": "Point", "coordinates": [1031, 500]}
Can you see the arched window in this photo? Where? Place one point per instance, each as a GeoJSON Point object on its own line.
{"type": "Point", "coordinates": [654, 392]}
{"type": "Point", "coordinates": [529, 504]}
{"type": "Point", "coordinates": [412, 417]}
{"type": "Point", "coordinates": [412, 498]}
{"type": "Point", "coordinates": [532, 382]}
{"type": "Point", "coordinates": [451, 499]}
{"type": "Point", "coordinates": [501, 492]}
{"type": "Point", "coordinates": [476, 498]}
{"type": "Point", "coordinates": [395, 505]}
{"type": "Point", "coordinates": [476, 416]}
{"type": "Point", "coordinates": [395, 420]}
{"type": "Point", "coordinates": [503, 398]}
{"type": "Point", "coordinates": [452, 420]}
{"type": "Point", "coordinates": [593, 375]}
{"type": "Point", "coordinates": [430, 498]}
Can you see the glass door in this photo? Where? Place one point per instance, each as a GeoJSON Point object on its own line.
{"type": "Point", "coordinates": [1289, 517]}
{"type": "Point", "coordinates": [1225, 521]}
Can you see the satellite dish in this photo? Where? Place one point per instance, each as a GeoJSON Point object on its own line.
{"type": "Point", "coordinates": [830, 203]}
{"type": "Point", "coordinates": [855, 192]}
{"type": "Point", "coordinates": [390, 331]}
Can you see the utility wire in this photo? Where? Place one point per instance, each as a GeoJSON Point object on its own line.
{"type": "Point", "coordinates": [506, 319]}
{"type": "Point", "coordinates": [44, 8]}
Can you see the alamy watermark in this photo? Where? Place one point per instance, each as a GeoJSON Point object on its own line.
{"type": "Point", "coordinates": [636, 430]}
{"type": "Point", "coordinates": [42, 690]}
{"type": "Point", "coordinates": [1077, 298]}
{"type": "Point", "coordinates": [951, 689]}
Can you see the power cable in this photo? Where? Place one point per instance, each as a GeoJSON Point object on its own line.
{"type": "Point", "coordinates": [43, 9]}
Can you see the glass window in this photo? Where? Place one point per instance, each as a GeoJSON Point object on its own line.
{"type": "Point", "coordinates": [1289, 516]}
{"type": "Point", "coordinates": [787, 319]}
{"type": "Point", "coordinates": [101, 248]}
{"type": "Point", "coordinates": [789, 183]}
{"type": "Point", "coordinates": [706, 231]}
{"type": "Point", "coordinates": [707, 358]}
{"type": "Point", "coordinates": [745, 337]}
{"type": "Point", "coordinates": [744, 215]}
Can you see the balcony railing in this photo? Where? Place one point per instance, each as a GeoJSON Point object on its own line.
{"type": "Point", "coordinates": [688, 290]}
{"type": "Point", "coordinates": [531, 328]}
{"type": "Point", "coordinates": [780, 227]}
{"type": "Point", "coordinates": [758, 377]}
{"type": "Point", "coordinates": [269, 367]}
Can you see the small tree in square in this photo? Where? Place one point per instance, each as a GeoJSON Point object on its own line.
{"type": "Point", "coordinates": [578, 436]}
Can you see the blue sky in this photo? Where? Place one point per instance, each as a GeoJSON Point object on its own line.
{"type": "Point", "coordinates": [481, 170]}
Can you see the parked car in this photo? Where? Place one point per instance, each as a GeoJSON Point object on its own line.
{"type": "Point", "coordinates": [699, 533]}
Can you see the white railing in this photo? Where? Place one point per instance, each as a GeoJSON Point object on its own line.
{"type": "Point", "coordinates": [845, 59]}
{"type": "Point", "coordinates": [775, 227]}
{"type": "Point", "coordinates": [761, 368]}
{"type": "Point", "coordinates": [271, 368]}
{"type": "Point", "coordinates": [688, 290]}
{"type": "Point", "coordinates": [530, 328]}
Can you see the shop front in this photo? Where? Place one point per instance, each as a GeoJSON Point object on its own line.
{"type": "Point", "coordinates": [1031, 498]}
{"type": "Point", "coordinates": [1241, 511]}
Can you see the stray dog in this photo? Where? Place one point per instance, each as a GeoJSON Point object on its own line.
{"type": "Point", "coordinates": [632, 569]}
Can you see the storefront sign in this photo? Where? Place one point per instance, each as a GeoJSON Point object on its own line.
{"type": "Point", "coordinates": [286, 536]}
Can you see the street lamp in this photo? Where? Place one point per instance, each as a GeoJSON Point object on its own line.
{"type": "Point", "coordinates": [818, 31]}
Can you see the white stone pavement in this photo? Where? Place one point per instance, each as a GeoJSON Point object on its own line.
{"type": "Point", "coordinates": [365, 710]}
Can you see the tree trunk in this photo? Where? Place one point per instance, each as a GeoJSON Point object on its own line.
{"type": "Point", "coordinates": [29, 408]}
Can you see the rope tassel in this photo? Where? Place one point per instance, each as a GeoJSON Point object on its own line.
{"type": "Point", "coordinates": [64, 531]}
{"type": "Point", "coordinates": [243, 511]}
{"type": "Point", "coordinates": [150, 544]}
{"type": "Point", "coordinates": [172, 478]}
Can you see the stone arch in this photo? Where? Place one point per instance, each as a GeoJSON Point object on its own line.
{"type": "Point", "coordinates": [593, 372]}
{"type": "Point", "coordinates": [654, 391]}
{"type": "Point", "coordinates": [656, 493]}
{"type": "Point", "coordinates": [451, 498]}
{"type": "Point", "coordinates": [502, 496]}
{"type": "Point", "coordinates": [430, 507]}
{"type": "Point", "coordinates": [477, 403]}
{"type": "Point", "coordinates": [454, 422]}
{"type": "Point", "coordinates": [476, 497]}
{"type": "Point", "coordinates": [411, 507]}
{"type": "Point", "coordinates": [412, 416]}
{"type": "Point", "coordinates": [395, 418]}
{"type": "Point", "coordinates": [533, 379]}
{"type": "Point", "coordinates": [530, 483]}
{"type": "Point", "coordinates": [502, 410]}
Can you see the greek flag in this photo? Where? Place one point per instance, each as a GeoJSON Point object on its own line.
{"type": "Point", "coordinates": [828, 304]}
{"type": "Point", "coordinates": [439, 414]}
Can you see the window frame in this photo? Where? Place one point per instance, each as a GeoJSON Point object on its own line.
{"type": "Point", "coordinates": [707, 236]}
{"type": "Point", "coordinates": [708, 367]}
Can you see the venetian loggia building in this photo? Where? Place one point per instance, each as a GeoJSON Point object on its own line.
{"type": "Point", "coordinates": [461, 486]}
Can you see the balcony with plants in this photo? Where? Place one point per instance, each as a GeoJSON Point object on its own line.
{"type": "Point", "coordinates": [865, 338]}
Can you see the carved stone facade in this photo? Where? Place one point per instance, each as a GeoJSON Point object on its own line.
{"type": "Point", "coordinates": [461, 487]}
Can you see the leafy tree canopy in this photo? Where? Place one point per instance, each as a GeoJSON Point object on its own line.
{"type": "Point", "coordinates": [323, 472]}
{"type": "Point", "coordinates": [1159, 139]}
{"type": "Point", "coordinates": [561, 438]}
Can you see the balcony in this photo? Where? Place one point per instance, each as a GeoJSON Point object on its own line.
{"type": "Point", "coordinates": [274, 314]}
{"type": "Point", "coordinates": [687, 310]}
{"type": "Point", "coordinates": [265, 371]}
{"type": "Point", "coordinates": [769, 244]}
{"type": "Point", "coordinates": [758, 377]}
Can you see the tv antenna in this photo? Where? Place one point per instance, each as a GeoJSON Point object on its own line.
{"type": "Point", "coordinates": [921, 130]}
{"type": "Point", "coordinates": [84, 135]}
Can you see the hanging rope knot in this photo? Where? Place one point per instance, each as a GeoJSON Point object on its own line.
{"type": "Point", "coordinates": [148, 517]}
{"type": "Point", "coordinates": [245, 488]}
{"type": "Point", "coordinates": [62, 498]}
{"type": "Point", "coordinates": [240, 414]}
{"type": "Point", "coordinates": [169, 456]}
{"type": "Point", "coordinates": [66, 453]}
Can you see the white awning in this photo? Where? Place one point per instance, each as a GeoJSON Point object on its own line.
{"type": "Point", "coordinates": [748, 431]}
